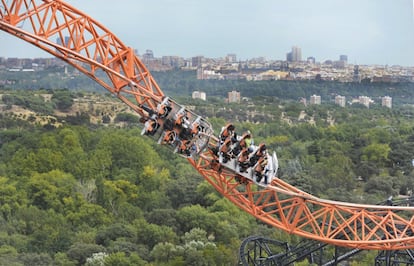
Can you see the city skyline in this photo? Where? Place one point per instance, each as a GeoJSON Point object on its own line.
{"type": "Point", "coordinates": [368, 32]}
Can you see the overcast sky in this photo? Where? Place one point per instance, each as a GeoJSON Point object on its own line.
{"type": "Point", "coordinates": [368, 31]}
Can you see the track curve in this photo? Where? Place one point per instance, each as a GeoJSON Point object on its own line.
{"type": "Point", "coordinates": [94, 50]}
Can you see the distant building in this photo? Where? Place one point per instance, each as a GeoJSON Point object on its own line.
{"type": "Point", "coordinates": [233, 97]}
{"type": "Point", "coordinates": [295, 55]}
{"type": "Point", "coordinates": [340, 100]}
{"type": "Point", "coordinates": [339, 64]}
{"type": "Point", "coordinates": [386, 101]}
{"type": "Point", "coordinates": [148, 55]}
{"type": "Point", "coordinates": [173, 61]}
{"type": "Point", "coordinates": [196, 61]}
{"type": "Point", "coordinates": [208, 74]}
{"type": "Point", "coordinates": [365, 100]}
{"type": "Point", "coordinates": [199, 95]}
{"type": "Point", "coordinates": [289, 57]}
{"type": "Point", "coordinates": [231, 58]}
{"type": "Point", "coordinates": [311, 60]}
{"type": "Point", "coordinates": [315, 99]}
{"type": "Point", "coordinates": [357, 76]}
{"type": "Point", "coordinates": [343, 58]}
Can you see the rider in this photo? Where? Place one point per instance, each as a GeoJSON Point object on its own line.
{"type": "Point", "coordinates": [260, 169]}
{"type": "Point", "coordinates": [260, 152]}
{"type": "Point", "coordinates": [243, 160]}
{"type": "Point", "coordinates": [245, 142]}
{"type": "Point", "coordinates": [150, 126]}
{"type": "Point", "coordinates": [226, 132]}
{"type": "Point", "coordinates": [163, 110]}
{"type": "Point", "coordinates": [225, 150]}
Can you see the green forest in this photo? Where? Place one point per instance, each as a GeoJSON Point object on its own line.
{"type": "Point", "coordinates": [74, 192]}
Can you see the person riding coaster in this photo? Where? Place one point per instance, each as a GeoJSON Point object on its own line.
{"type": "Point", "coordinates": [243, 160]}
{"type": "Point", "coordinates": [259, 153]}
{"type": "Point", "coordinates": [226, 132]}
{"type": "Point", "coordinates": [242, 156]}
{"type": "Point", "coordinates": [177, 127]}
{"type": "Point", "coordinates": [245, 142]}
{"type": "Point", "coordinates": [151, 126]}
{"type": "Point", "coordinates": [260, 169]}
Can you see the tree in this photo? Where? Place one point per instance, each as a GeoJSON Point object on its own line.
{"type": "Point", "coordinates": [80, 252]}
{"type": "Point", "coordinates": [376, 152]}
{"type": "Point", "coordinates": [61, 259]}
{"type": "Point", "coordinates": [117, 192]}
{"type": "Point", "coordinates": [48, 190]}
{"type": "Point", "coordinates": [127, 117]}
{"type": "Point", "coordinates": [195, 216]}
{"type": "Point", "coordinates": [10, 199]}
{"type": "Point", "coordinates": [9, 256]}
{"type": "Point", "coordinates": [89, 214]}
{"type": "Point", "coordinates": [163, 252]}
{"type": "Point", "coordinates": [151, 234]}
{"type": "Point", "coordinates": [121, 259]}
{"type": "Point", "coordinates": [63, 99]}
{"type": "Point", "coordinates": [36, 259]}
{"type": "Point", "coordinates": [113, 232]}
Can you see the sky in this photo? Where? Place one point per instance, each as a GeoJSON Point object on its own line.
{"type": "Point", "coordinates": [367, 31]}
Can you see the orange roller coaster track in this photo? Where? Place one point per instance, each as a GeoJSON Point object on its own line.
{"type": "Point", "coordinates": [93, 49]}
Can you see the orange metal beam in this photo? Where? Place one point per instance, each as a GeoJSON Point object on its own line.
{"type": "Point", "coordinates": [94, 50]}
{"type": "Point", "coordinates": [91, 47]}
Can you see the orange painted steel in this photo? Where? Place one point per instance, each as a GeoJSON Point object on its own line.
{"type": "Point", "coordinates": [99, 54]}
{"type": "Point", "coordinates": [85, 44]}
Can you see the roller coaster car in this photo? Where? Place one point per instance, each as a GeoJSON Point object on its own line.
{"type": "Point", "coordinates": [188, 134]}
{"type": "Point", "coordinates": [253, 162]}
{"type": "Point", "coordinates": [175, 126]}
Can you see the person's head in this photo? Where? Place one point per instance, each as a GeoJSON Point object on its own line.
{"type": "Point", "coordinates": [248, 134]}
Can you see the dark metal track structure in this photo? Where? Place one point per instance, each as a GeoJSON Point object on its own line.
{"type": "Point", "coordinates": [262, 251]}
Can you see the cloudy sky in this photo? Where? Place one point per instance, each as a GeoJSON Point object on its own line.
{"type": "Point", "coordinates": [368, 31]}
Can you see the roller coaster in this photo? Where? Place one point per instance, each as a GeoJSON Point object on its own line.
{"type": "Point", "coordinates": [251, 183]}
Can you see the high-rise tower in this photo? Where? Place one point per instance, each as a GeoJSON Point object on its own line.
{"type": "Point", "coordinates": [295, 55]}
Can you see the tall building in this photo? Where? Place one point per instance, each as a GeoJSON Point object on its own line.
{"type": "Point", "coordinates": [311, 60]}
{"type": "Point", "coordinates": [295, 55]}
{"type": "Point", "coordinates": [231, 58]}
{"type": "Point", "coordinates": [196, 61]}
{"type": "Point", "coordinates": [343, 58]}
{"type": "Point", "coordinates": [233, 97]}
{"type": "Point", "coordinates": [199, 95]}
{"type": "Point", "coordinates": [386, 101]}
{"type": "Point", "coordinates": [365, 100]}
{"type": "Point", "coordinates": [357, 76]}
{"type": "Point", "coordinates": [315, 99]}
{"type": "Point", "coordinates": [340, 100]}
{"type": "Point", "coordinates": [148, 55]}
{"type": "Point", "coordinates": [173, 61]}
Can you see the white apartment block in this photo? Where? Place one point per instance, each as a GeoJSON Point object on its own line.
{"type": "Point", "coordinates": [365, 100]}
{"type": "Point", "coordinates": [234, 97]}
{"type": "Point", "coordinates": [315, 99]}
{"type": "Point", "coordinates": [386, 101]}
{"type": "Point", "coordinates": [340, 100]}
{"type": "Point", "coordinates": [199, 95]}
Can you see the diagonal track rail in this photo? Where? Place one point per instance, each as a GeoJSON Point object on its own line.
{"type": "Point", "coordinates": [92, 49]}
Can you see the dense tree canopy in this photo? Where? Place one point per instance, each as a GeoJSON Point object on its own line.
{"type": "Point", "coordinates": [80, 193]}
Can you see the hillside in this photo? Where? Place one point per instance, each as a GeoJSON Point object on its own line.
{"type": "Point", "coordinates": [80, 185]}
